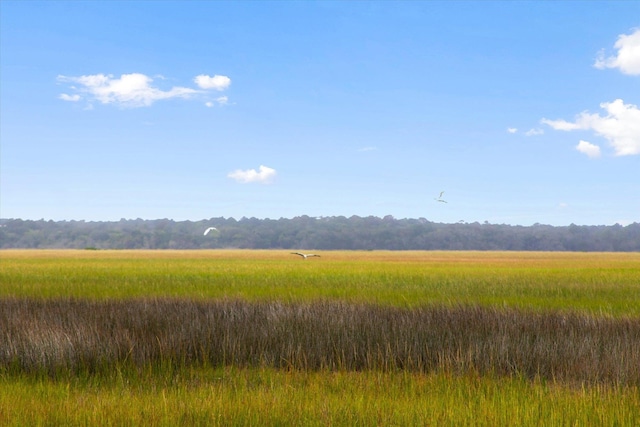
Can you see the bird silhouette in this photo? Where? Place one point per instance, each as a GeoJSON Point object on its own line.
{"type": "Point", "coordinates": [440, 199]}
{"type": "Point", "coordinates": [305, 256]}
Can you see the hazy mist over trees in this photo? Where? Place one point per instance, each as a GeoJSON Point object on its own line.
{"type": "Point", "coordinates": [304, 232]}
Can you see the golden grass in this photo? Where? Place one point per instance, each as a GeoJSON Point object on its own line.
{"type": "Point", "coordinates": [600, 283]}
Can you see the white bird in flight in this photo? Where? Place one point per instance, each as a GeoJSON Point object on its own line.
{"type": "Point", "coordinates": [209, 229]}
{"type": "Point", "coordinates": [440, 199]}
{"type": "Point", "coordinates": [304, 255]}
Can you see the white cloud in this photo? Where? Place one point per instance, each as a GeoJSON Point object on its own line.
{"type": "Point", "coordinates": [216, 82]}
{"type": "Point", "coordinates": [71, 98]}
{"type": "Point", "coordinates": [627, 59]}
{"type": "Point", "coordinates": [264, 175]}
{"type": "Point", "coordinates": [512, 130]}
{"type": "Point", "coordinates": [588, 148]}
{"type": "Point", "coordinates": [534, 132]}
{"type": "Point", "coordinates": [130, 90]}
{"type": "Point", "coordinates": [561, 124]}
{"type": "Point", "coordinates": [621, 126]}
{"type": "Point", "coordinates": [135, 89]}
{"type": "Point", "coordinates": [221, 100]}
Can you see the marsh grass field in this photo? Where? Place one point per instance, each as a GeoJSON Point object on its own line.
{"type": "Point", "coordinates": [231, 337]}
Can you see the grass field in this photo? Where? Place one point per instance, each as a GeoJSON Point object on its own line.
{"type": "Point", "coordinates": [599, 283]}
{"type": "Point", "coordinates": [268, 397]}
{"type": "Point", "coordinates": [350, 338]}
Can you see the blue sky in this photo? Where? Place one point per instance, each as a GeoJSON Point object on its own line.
{"type": "Point", "coordinates": [521, 112]}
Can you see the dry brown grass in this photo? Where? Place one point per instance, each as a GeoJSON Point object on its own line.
{"type": "Point", "coordinates": [75, 336]}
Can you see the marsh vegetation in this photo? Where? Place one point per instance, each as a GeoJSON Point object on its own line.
{"type": "Point", "coordinates": [509, 334]}
{"type": "Point", "coordinates": [86, 337]}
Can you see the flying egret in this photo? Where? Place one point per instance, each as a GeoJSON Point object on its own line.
{"type": "Point", "coordinates": [304, 255]}
{"type": "Point", "coordinates": [440, 199]}
{"type": "Point", "coordinates": [209, 229]}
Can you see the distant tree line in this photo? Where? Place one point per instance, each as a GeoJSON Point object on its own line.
{"type": "Point", "coordinates": [304, 232]}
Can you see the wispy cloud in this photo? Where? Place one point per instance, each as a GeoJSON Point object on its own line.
{"type": "Point", "coordinates": [70, 98]}
{"type": "Point", "coordinates": [132, 90]}
{"type": "Point", "coordinates": [534, 132]}
{"type": "Point", "coordinates": [221, 100]}
{"type": "Point", "coordinates": [627, 58]}
{"type": "Point", "coordinates": [621, 126]}
{"type": "Point", "coordinates": [263, 175]}
{"type": "Point", "coordinates": [530, 132]}
{"type": "Point", "coordinates": [588, 148]}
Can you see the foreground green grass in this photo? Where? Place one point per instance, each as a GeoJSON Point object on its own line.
{"type": "Point", "coordinates": [599, 283]}
{"type": "Point", "coordinates": [271, 397]}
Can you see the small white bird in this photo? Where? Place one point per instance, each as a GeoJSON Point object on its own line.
{"type": "Point", "coordinates": [209, 229]}
{"type": "Point", "coordinates": [440, 199]}
{"type": "Point", "coordinates": [304, 255]}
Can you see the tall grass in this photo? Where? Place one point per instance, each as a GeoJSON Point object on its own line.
{"type": "Point", "coordinates": [598, 283]}
{"type": "Point", "coordinates": [267, 397]}
{"type": "Point", "coordinates": [62, 337]}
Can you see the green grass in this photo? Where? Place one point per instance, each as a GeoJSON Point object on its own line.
{"type": "Point", "coordinates": [274, 397]}
{"type": "Point", "coordinates": [599, 283]}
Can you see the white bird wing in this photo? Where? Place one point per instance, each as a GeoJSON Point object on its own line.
{"type": "Point", "coordinates": [209, 229]}
{"type": "Point", "coordinates": [305, 256]}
